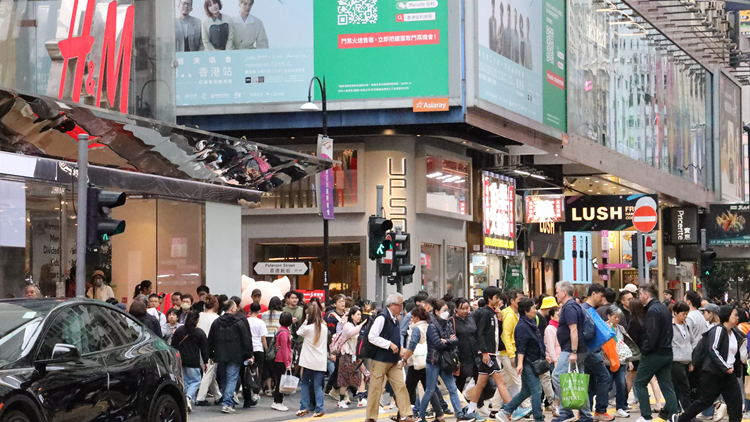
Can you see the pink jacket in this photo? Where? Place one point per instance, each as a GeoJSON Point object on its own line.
{"type": "Point", "coordinates": [284, 346]}
{"type": "Point", "coordinates": [550, 341]}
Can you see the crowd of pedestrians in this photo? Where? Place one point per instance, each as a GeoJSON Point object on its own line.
{"type": "Point", "coordinates": [504, 356]}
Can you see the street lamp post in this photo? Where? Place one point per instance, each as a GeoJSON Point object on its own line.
{"type": "Point", "coordinates": [310, 106]}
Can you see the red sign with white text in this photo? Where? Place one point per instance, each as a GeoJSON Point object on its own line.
{"type": "Point", "coordinates": [390, 39]}
{"type": "Point", "coordinates": [309, 294]}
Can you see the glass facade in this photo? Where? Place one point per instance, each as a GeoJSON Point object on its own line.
{"type": "Point", "coordinates": [431, 257]}
{"type": "Point", "coordinates": [634, 91]}
{"type": "Point", "coordinates": [448, 183]}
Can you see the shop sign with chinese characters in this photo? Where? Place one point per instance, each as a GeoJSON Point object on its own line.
{"type": "Point", "coordinates": [684, 225]}
{"type": "Point", "coordinates": [499, 228]}
{"type": "Point", "coordinates": [728, 225]}
{"type": "Point", "coordinates": [545, 209]}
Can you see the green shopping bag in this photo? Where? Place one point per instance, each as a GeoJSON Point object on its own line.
{"type": "Point", "coordinates": [574, 387]}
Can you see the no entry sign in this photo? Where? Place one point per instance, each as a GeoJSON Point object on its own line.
{"type": "Point", "coordinates": [649, 249]}
{"type": "Point", "coordinates": [644, 218]}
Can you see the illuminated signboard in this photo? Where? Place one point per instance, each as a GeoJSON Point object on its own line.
{"type": "Point", "coordinates": [499, 228]}
{"type": "Point", "coordinates": [545, 208]}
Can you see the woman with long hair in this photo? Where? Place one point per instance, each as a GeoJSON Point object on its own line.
{"type": "Point", "coordinates": [416, 373]}
{"type": "Point", "coordinates": [192, 344]}
{"type": "Point", "coordinates": [271, 319]}
{"type": "Point", "coordinates": [313, 360]}
{"type": "Point", "coordinates": [143, 289]}
{"type": "Point", "coordinates": [283, 361]}
{"type": "Point", "coordinates": [350, 375]}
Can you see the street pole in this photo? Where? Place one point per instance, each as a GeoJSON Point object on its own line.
{"type": "Point", "coordinates": [83, 164]}
{"type": "Point", "coordinates": [380, 280]}
{"type": "Point", "coordinates": [399, 279]}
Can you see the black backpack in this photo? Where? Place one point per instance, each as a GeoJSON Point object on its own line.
{"type": "Point", "coordinates": [365, 349]}
{"type": "Point", "coordinates": [272, 349]}
{"type": "Point", "coordinates": [700, 353]}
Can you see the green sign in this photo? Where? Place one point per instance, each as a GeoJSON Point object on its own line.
{"type": "Point", "coordinates": [521, 56]}
{"type": "Point", "coordinates": [514, 276]}
{"type": "Point", "coordinates": [382, 49]}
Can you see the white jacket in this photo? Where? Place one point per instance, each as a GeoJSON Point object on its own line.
{"type": "Point", "coordinates": [314, 355]}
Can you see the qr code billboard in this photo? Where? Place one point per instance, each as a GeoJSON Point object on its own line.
{"type": "Point", "coordinates": [357, 12]}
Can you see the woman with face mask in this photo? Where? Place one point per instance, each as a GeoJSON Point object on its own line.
{"type": "Point", "coordinates": [441, 339]}
{"type": "Point", "coordinates": [100, 290]}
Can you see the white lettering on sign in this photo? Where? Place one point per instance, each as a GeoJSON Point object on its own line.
{"type": "Point", "coordinates": [600, 213]}
{"type": "Point", "coordinates": [397, 194]}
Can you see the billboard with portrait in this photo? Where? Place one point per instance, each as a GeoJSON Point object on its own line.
{"type": "Point", "coordinates": [499, 218]}
{"type": "Point", "coordinates": [521, 56]}
{"type": "Point", "coordinates": [731, 138]}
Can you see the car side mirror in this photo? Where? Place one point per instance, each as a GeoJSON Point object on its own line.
{"type": "Point", "coordinates": [65, 353]}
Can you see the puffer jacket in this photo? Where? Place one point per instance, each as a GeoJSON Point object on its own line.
{"type": "Point", "coordinates": [657, 329]}
{"type": "Point", "coordinates": [439, 329]}
{"type": "Point", "coordinates": [229, 339]}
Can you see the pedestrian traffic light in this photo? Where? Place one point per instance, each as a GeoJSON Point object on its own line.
{"type": "Point", "coordinates": [708, 261]}
{"type": "Point", "coordinates": [99, 227]}
{"type": "Point", "coordinates": [377, 231]}
{"type": "Point", "coordinates": [401, 267]}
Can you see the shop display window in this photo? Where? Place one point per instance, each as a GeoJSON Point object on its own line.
{"type": "Point", "coordinates": [455, 271]}
{"type": "Point", "coordinates": [431, 262]}
{"type": "Point", "coordinates": [448, 183]}
{"type": "Point", "coordinates": [303, 193]}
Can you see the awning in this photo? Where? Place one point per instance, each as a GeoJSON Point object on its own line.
{"type": "Point", "coordinates": [43, 127]}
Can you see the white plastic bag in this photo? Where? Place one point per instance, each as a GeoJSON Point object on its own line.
{"type": "Point", "coordinates": [288, 383]}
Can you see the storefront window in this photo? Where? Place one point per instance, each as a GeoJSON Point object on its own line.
{"type": "Point", "coordinates": [455, 271]}
{"type": "Point", "coordinates": [634, 91]}
{"type": "Point", "coordinates": [303, 193]}
{"type": "Point", "coordinates": [431, 260]}
{"type": "Point", "coordinates": [447, 185]}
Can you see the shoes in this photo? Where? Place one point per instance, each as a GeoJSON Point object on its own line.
{"type": "Point", "coordinates": [570, 418]}
{"type": "Point", "coordinates": [555, 411]}
{"type": "Point", "coordinates": [228, 409]}
{"type": "Point", "coordinates": [381, 410]}
{"type": "Point", "coordinates": [342, 405]}
{"type": "Point", "coordinates": [703, 417]}
{"type": "Point", "coordinates": [475, 416]}
{"type": "Point", "coordinates": [674, 418]}
{"type": "Point", "coordinates": [603, 417]}
{"type": "Point", "coordinates": [448, 412]}
{"type": "Point", "coordinates": [334, 395]}
{"type": "Point", "coordinates": [280, 407]}
{"type": "Point", "coordinates": [318, 414]}
{"type": "Point", "coordinates": [268, 393]}
{"type": "Point", "coordinates": [362, 403]}
{"type": "Point", "coordinates": [746, 415]}
{"type": "Point", "coordinates": [189, 406]}
{"type": "Point", "coordinates": [642, 419]}
{"type": "Point", "coordinates": [501, 416]}
{"type": "Point", "coordinates": [464, 418]}
{"type": "Point", "coordinates": [484, 411]}
{"type": "Point", "coordinates": [428, 416]}
{"type": "Point", "coordinates": [518, 413]}
{"type": "Point", "coordinates": [203, 403]}
{"type": "Point", "coordinates": [409, 419]}
{"type": "Point", "coordinates": [622, 414]}
{"type": "Point", "coordinates": [721, 411]}
{"type": "Point", "coordinates": [301, 413]}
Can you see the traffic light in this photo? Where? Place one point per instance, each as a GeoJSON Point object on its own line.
{"type": "Point", "coordinates": [377, 231]}
{"type": "Point", "coordinates": [99, 227]}
{"type": "Point", "coordinates": [708, 260]}
{"type": "Point", "coordinates": [401, 268]}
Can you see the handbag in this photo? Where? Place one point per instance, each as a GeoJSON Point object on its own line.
{"type": "Point", "coordinates": [574, 387]}
{"type": "Point", "coordinates": [540, 366]}
{"type": "Point", "coordinates": [288, 383]}
{"type": "Point", "coordinates": [419, 358]}
{"type": "Point", "coordinates": [448, 361]}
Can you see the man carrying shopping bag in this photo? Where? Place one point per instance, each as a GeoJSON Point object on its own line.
{"type": "Point", "coordinates": [573, 351]}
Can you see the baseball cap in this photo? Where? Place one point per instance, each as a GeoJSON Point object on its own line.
{"type": "Point", "coordinates": [630, 287]}
{"type": "Point", "coordinates": [713, 308]}
{"type": "Point", "coordinates": [256, 292]}
{"type": "Point", "coordinates": [549, 303]}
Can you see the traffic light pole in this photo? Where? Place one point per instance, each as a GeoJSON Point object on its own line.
{"type": "Point", "coordinates": [380, 281]}
{"type": "Point", "coordinates": [83, 177]}
{"type": "Point", "coordinates": [399, 279]}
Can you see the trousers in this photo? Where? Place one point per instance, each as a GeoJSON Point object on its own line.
{"type": "Point", "coordinates": [711, 387]}
{"type": "Point", "coordinates": [380, 372]}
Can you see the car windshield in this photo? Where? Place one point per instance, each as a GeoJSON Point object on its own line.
{"type": "Point", "coordinates": [20, 321]}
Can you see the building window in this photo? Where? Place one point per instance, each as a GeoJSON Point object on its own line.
{"type": "Point", "coordinates": [455, 271]}
{"type": "Point", "coordinates": [303, 193]}
{"type": "Point", "coordinates": [447, 185]}
{"type": "Point", "coordinates": [431, 259]}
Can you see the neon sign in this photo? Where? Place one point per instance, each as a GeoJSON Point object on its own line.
{"type": "Point", "coordinates": [72, 55]}
{"type": "Point", "coordinates": [499, 214]}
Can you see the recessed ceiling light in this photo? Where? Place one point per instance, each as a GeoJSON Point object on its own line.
{"type": "Point", "coordinates": [591, 190]}
{"type": "Point", "coordinates": [606, 184]}
{"type": "Point", "coordinates": [556, 155]}
{"type": "Point", "coordinates": [464, 142]}
{"type": "Point", "coordinates": [588, 178]}
{"type": "Point", "coordinates": [630, 192]}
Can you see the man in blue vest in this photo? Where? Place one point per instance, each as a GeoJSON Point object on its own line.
{"type": "Point", "coordinates": [385, 337]}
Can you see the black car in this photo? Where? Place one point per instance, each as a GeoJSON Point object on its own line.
{"type": "Point", "coordinates": [83, 360]}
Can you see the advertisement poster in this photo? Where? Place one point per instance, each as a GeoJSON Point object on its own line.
{"type": "Point", "coordinates": [731, 135]}
{"type": "Point", "coordinates": [522, 58]}
{"type": "Point", "coordinates": [601, 212]}
{"type": "Point", "coordinates": [382, 49]}
{"type": "Point", "coordinates": [499, 225]}
{"type": "Point", "coordinates": [245, 52]}
{"type": "Point", "coordinates": [745, 22]}
{"type": "Point", "coordinates": [545, 208]}
{"type": "Point", "coordinates": [577, 267]}
{"type": "Point", "coordinates": [727, 225]}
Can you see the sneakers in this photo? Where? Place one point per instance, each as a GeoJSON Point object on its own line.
{"type": "Point", "coordinates": [228, 409]}
{"type": "Point", "coordinates": [448, 412]}
{"type": "Point", "coordinates": [642, 419]}
{"type": "Point", "coordinates": [268, 393]}
{"type": "Point", "coordinates": [280, 407]}
{"type": "Point", "coordinates": [301, 413]}
{"type": "Point", "coordinates": [484, 411]}
{"type": "Point", "coordinates": [603, 417]}
{"type": "Point", "coordinates": [334, 394]}
{"type": "Point", "coordinates": [464, 418]}
{"type": "Point", "coordinates": [501, 416]}
{"type": "Point", "coordinates": [475, 416]}
{"type": "Point", "coordinates": [203, 403]}
{"type": "Point", "coordinates": [342, 405]}
{"type": "Point", "coordinates": [622, 414]}
{"type": "Point", "coordinates": [381, 410]}
{"type": "Point", "coordinates": [429, 416]}
{"type": "Point", "coordinates": [362, 403]}
{"type": "Point", "coordinates": [555, 411]}
{"type": "Point", "coordinates": [189, 406]}
{"type": "Point", "coordinates": [318, 414]}
{"type": "Point", "coordinates": [519, 413]}
{"type": "Point", "coordinates": [721, 411]}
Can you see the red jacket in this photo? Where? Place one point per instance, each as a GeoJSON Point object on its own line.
{"type": "Point", "coordinates": [284, 346]}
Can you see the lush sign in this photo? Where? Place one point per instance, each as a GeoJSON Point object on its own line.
{"type": "Point", "coordinates": [600, 212]}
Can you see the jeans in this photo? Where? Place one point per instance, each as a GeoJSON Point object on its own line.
{"type": "Point", "coordinates": [621, 388]}
{"type": "Point", "coordinates": [192, 377]}
{"type": "Point", "coordinates": [413, 378]}
{"type": "Point", "coordinates": [531, 386]}
{"type": "Point", "coordinates": [227, 374]}
{"type": "Point", "coordinates": [562, 367]}
{"type": "Point", "coordinates": [312, 380]}
{"type": "Point", "coordinates": [599, 382]}
{"type": "Point", "coordinates": [660, 365]}
{"type": "Point", "coordinates": [432, 380]}
{"type": "Point", "coordinates": [711, 387]}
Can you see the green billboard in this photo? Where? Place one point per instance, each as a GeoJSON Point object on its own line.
{"type": "Point", "coordinates": [382, 49]}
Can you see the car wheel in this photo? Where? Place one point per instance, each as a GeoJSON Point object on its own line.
{"type": "Point", "coordinates": [15, 416]}
{"type": "Point", "coordinates": [165, 409]}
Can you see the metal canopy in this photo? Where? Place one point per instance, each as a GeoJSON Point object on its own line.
{"type": "Point", "coordinates": [48, 128]}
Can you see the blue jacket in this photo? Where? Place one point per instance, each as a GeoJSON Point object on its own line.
{"type": "Point", "coordinates": [529, 341]}
{"type": "Point", "coordinates": [439, 329]}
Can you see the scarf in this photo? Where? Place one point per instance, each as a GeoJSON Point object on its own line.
{"type": "Point", "coordinates": [554, 323]}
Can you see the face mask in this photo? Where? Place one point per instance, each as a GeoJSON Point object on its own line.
{"type": "Point", "coordinates": [185, 306]}
{"type": "Point", "coordinates": [445, 315]}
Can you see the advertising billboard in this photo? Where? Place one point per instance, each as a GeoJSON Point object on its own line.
{"type": "Point", "coordinates": [576, 266]}
{"type": "Point", "coordinates": [727, 225]}
{"type": "Point", "coordinates": [499, 219]}
{"type": "Point", "coordinates": [730, 115]}
{"type": "Point", "coordinates": [267, 51]}
{"type": "Point", "coordinates": [601, 212]}
{"type": "Point", "coordinates": [545, 209]}
{"type": "Point", "coordinates": [521, 56]}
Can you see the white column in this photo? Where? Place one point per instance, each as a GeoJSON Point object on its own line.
{"type": "Point", "coordinates": [224, 248]}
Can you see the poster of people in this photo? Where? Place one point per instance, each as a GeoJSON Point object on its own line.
{"type": "Point", "coordinates": [731, 135]}
{"type": "Point", "coordinates": [240, 51]}
{"type": "Point", "coordinates": [522, 57]}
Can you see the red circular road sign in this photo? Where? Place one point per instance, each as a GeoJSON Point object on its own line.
{"type": "Point", "coordinates": [649, 249]}
{"type": "Point", "coordinates": [644, 219]}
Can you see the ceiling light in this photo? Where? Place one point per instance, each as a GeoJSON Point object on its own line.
{"type": "Point", "coordinates": [523, 173]}
{"type": "Point", "coordinates": [538, 176]}
{"type": "Point", "coordinates": [434, 175]}
{"type": "Point", "coordinates": [588, 178]}
{"type": "Point", "coordinates": [630, 192]}
{"type": "Point", "coordinates": [591, 190]}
